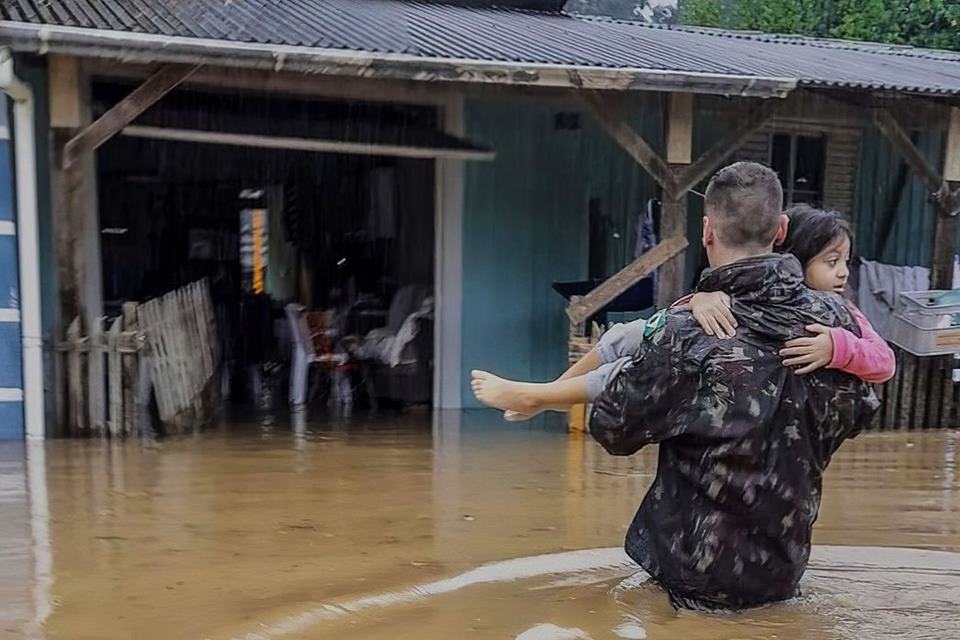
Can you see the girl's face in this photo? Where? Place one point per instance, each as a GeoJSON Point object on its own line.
{"type": "Point", "coordinates": [829, 270]}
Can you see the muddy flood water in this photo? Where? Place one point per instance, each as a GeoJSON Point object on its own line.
{"type": "Point", "coordinates": [420, 527]}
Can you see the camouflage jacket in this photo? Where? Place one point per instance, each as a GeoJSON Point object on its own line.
{"type": "Point", "coordinates": [743, 440]}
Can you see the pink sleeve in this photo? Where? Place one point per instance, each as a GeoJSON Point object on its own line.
{"type": "Point", "coordinates": [869, 358]}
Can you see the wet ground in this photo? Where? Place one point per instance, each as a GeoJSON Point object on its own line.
{"type": "Point", "coordinates": [463, 528]}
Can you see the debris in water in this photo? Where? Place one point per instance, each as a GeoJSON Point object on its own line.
{"type": "Point", "coordinates": [631, 631]}
{"type": "Point", "coordinates": [552, 632]}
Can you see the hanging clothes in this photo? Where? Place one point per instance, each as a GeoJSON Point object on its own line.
{"type": "Point", "coordinates": [880, 286]}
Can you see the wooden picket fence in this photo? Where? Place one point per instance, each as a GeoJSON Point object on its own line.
{"type": "Point", "coordinates": [164, 349]}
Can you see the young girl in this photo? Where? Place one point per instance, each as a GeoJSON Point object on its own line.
{"type": "Point", "coordinates": [821, 240]}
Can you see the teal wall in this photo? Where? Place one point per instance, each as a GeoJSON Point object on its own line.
{"type": "Point", "coordinates": [910, 241]}
{"type": "Point", "coordinates": [525, 226]}
{"type": "Point", "coordinates": [11, 378]}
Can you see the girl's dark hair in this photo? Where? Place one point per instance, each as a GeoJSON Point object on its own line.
{"type": "Point", "coordinates": [812, 230]}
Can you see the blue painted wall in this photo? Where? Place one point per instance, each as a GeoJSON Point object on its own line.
{"type": "Point", "coordinates": [11, 378]}
{"type": "Point", "coordinates": [525, 226]}
{"type": "Point", "coordinates": [911, 240]}
{"type": "Point", "coordinates": [33, 71]}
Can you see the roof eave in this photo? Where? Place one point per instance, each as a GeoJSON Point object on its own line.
{"type": "Point", "coordinates": [147, 48]}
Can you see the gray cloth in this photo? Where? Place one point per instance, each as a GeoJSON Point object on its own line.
{"type": "Point", "coordinates": [615, 349]}
{"type": "Point", "coordinates": [881, 286]}
{"type": "Point", "coordinates": [621, 341]}
{"type": "Point", "coordinates": [599, 378]}
{"type": "Point", "coordinates": [393, 344]}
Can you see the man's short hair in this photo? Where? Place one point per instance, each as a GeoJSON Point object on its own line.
{"type": "Point", "coordinates": [744, 201]}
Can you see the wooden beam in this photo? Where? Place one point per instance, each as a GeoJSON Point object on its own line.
{"type": "Point", "coordinates": [673, 224]}
{"type": "Point", "coordinates": [318, 145]}
{"type": "Point", "coordinates": [139, 47]}
{"type": "Point", "coordinates": [944, 249]}
{"type": "Point", "coordinates": [951, 169]}
{"type": "Point", "coordinates": [126, 111]}
{"type": "Point", "coordinates": [610, 113]}
{"type": "Point", "coordinates": [680, 129]}
{"type": "Point", "coordinates": [295, 84]}
{"type": "Point", "coordinates": [710, 161]}
{"type": "Point", "coordinates": [587, 306]}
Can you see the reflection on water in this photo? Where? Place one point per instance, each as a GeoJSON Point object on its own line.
{"type": "Point", "coordinates": [399, 528]}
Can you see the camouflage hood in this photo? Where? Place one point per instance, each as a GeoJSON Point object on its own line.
{"type": "Point", "coordinates": [764, 291]}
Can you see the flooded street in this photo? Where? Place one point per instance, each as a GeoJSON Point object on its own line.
{"type": "Point", "coordinates": [463, 528]}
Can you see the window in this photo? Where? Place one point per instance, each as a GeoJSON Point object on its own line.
{"type": "Point", "coordinates": [799, 161]}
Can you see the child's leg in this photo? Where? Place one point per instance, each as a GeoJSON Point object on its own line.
{"type": "Point", "coordinates": [620, 341]}
{"type": "Point", "coordinates": [529, 398]}
{"type": "Point", "coordinates": [562, 394]}
{"type": "Point", "coordinates": [581, 367]}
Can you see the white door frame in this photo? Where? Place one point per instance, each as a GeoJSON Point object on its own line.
{"type": "Point", "coordinates": [448, 267]}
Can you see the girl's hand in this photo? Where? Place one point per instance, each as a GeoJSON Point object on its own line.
{"type": "Point", "coordinates": [814, 353]}
{"type": "Point", "coordinates": [712, 311]}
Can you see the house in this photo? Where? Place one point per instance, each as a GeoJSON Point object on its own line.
{"type": "Point", "coordinates": [520, 146]}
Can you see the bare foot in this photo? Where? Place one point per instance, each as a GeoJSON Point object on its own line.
{"type": "Point", "coordinates": [515, 416]}
{"type": "Point", "coordinates": [499, 393]}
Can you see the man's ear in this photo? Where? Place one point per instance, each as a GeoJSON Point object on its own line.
{"type": "Point", "coordinates": [781, 231]}
{"type": "Point", "coordinates": [709, 236]}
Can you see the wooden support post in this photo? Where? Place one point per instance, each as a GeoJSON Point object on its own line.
{"type": "Point", "coordinates": [673, 226]}
{"type": "Point", "coordinates": [95, 376]}
{"type": "Point", "coordinates": [131, 367]}
{"type": "Point", "coordinates": [64, 77]}
{"type": "Point", "coordinates": [115, 377]}
{"type": "Point", "coordinates": [76, 414]}
{"type": "Point", "coordinates": [680, 129]}
{"type": "Point", "coordinates": [68, 98]}
{"type": "Point", "coordinates": [951, 165]}
{"type": "Point", "coordinates": [944, 249]}
{"type": "Point", "coordinates": [673, 213]}
{"type": "Point", "coordinates": [577, 418]}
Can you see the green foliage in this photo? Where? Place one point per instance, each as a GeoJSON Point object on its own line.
{"type": "Point", "coordinates": [921, 23]}
{"type": "Point", "coordinates": [703, 13]}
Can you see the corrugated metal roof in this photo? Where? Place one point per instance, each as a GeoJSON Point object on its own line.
{"type": "Point", "coordinates": [452, 31]}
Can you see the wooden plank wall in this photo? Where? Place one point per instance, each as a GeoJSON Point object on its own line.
{"type": "Point", "coordinates": [840, 172]}
{"type": "Point", "coordinates": [921, 396]}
